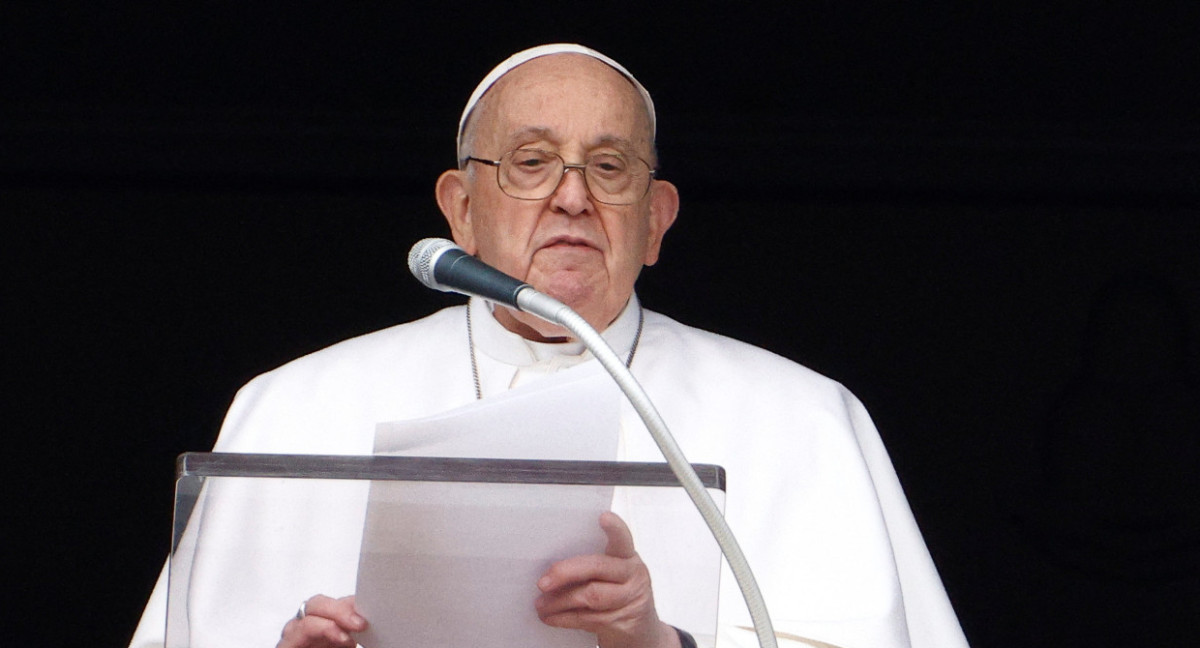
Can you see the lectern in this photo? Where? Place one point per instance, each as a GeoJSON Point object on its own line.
{"type": "Point", "coordinates": [438, 551]}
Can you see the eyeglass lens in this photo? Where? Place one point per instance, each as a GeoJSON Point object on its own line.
{"type": "Point", "coordinates": [533, 174]}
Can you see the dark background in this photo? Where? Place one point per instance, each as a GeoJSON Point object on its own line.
{"type": "Point", "coordinates": [927, 204]}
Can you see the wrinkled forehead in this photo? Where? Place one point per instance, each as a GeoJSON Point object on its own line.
{"type": "Point", "coordinates": [545, 50]}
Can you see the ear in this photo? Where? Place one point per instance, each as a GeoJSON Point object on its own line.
{"type": "Point", "coordinates": [454, 200]}
{"type": "Point", "coordinates": [664, 207]}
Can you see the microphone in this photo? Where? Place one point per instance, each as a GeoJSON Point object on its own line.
{"type": "Point", "coordinates": [442, 265]}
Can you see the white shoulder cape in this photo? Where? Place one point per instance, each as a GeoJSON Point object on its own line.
{"type": "Point", "coordinates": [812, 495]}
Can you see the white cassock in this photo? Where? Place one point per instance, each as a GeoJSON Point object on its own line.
{"type": "Point", "coordinates": [812, 496]}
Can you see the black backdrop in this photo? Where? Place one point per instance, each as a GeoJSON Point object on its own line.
{"type": "Point", "coordinates": [929, 205]}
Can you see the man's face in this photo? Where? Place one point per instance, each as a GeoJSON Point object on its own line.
{"type": "Point", "coordinates": [582, 252]}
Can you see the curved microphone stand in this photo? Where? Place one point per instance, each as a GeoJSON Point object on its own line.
{"type": "Point", "coordinates": [556, 312]}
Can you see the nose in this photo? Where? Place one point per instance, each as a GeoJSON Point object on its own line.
{"type": "Point", "coordinates": [572, 196]}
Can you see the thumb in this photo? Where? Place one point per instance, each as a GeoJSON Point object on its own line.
{"type": "Point", "coordinates": [620, 539]}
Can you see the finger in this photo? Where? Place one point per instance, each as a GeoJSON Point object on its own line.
{"type": "Point", "coordinates": [619, 616]}
{"type": "Point", "coordinates": [594, 596]}
{"type": "Point", "coordinates": [341, 611]}
{"type": "Point", "coordinates": [585, 620]}
{"type": "Point", "coordinates": [581, 569]}
{"type": "Point", "coordinates": [620, 540]}
{"type": "Point", "coordinates": [314, 632]}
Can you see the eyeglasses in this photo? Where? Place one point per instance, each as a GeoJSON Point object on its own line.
{"type": "Point", "coordinates": [534, 174]}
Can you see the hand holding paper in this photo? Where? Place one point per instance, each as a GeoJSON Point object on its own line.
{"type": "Point", "coordinates": [327, 623]}
{"type": "Point", "coordinates": [608, 594]}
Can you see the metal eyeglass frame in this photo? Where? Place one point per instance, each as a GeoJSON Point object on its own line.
{"type": "Point", "coordinates": [567, 166]}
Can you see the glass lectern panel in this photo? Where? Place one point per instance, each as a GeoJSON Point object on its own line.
{"type": "Point", "coordinates": [437, 552]}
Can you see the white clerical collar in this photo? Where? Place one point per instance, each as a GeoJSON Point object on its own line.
{"type": "Point", "coordinates": [501, 344]}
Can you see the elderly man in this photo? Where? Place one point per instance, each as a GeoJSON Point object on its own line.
{"type": "Point", "coordinates": [556, 186]}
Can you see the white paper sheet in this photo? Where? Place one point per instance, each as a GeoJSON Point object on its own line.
{"type": "Point", "coordinates": [455, 564]}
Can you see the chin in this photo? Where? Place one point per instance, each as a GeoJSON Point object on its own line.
{"type": "Point", "coordinates": [577, 295]}
{"type": "Point", "coordinates": [588, 298]}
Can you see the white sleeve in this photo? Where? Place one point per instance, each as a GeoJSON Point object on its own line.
{"type": "Point", "coordinates": [931, 620]}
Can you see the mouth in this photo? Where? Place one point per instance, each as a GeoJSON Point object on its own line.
{"type": "Point", "coordinates": [568, 242]}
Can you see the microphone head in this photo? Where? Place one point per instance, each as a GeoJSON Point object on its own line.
{"type": "Point", "coordinates": [423, 256]}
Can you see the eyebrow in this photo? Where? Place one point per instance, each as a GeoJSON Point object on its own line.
{"type": "Point", "coordinates": [618, 143]}
{"type": "Point", "coordinates": [529, 132]}
{"type": "Point", "coordinates": [543, 133]}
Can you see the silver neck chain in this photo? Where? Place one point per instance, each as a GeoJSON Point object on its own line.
{"type": "Point", "coordinates": [637, 338]}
